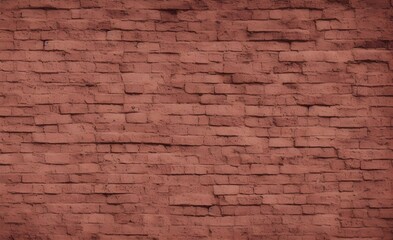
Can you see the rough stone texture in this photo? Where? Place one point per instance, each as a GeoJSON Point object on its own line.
{"type": "Point", "coordinates": [196, 119]}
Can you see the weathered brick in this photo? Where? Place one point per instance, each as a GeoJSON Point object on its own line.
{"type": "Point", "coordinates": [226, 189]}
{"type": "Point", "coordinates": [50, 138]}
{"type": "Point", "coordinates": [136, 117]}
{"type": "Point", "coordinates": [280, 142]}
{"type": "Point", "coordinates": [376, 164]}
{"type": "Point", "coordinates": [52, 119]}
{"type": "Point", "coordinates": [192, 200]}
{"type": "Point", "coordinates": [317, 56]}
{"type": "Point", "coordinates": [264, 169]}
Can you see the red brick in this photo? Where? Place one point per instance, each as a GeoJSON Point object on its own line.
{"type": "Point", "coordinates": [280, 142]}
{"type": "Point", "coordinates": [136, 117]}
{"type": "Point", "coordinates": [376, 164]}
{"type": "Point", "coordinates": [288, 209]}
{"type": "Point", "coordinates": [61, 138]}
{"type": "Point", "coordinates": [265, 26]}
{"type": "Point", "coordinates": [224, 110]}
{"type": "Point", "coordinates": [198, 88]}
{"type": "Point", "coordinates": [122, 198]}
{"type": "Point", "coordinates": [193, 57]}
{"type": "Point", "coordinates": [192, 200]}
{"type": "Point", "coordinates": [264, 169]}
{"type": "Point", "coordinates": [52, 119]}
{"type": "Point", "coordinates": [73, 108]}
{"type": "Point", "coordinates": [226, 189]}
{"type": "Point", "coordinates": [318, 56]}
{"type": "Point", "coordinates": [372, 55]}
{"type": "Point", "coordinates": [248, 78]}
{"type": "Point", "coordinates": [57, 158]}
{"type": "Point", "coordinates": [11, 158]}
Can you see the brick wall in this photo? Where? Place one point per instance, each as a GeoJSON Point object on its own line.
{"type": "Point", "coordinates": [196, 119]}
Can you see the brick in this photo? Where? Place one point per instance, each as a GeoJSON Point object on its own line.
{"type": "Point", "coordinates": [365, 154]}
{"type": "Point", "coordinates": [226, 189]}
{"type": "Point", "coordinates": [194, 57]}
{"type": "Point", "coordinates": [280, 142]}
{"type": "Point", "coordinates": [62, 138]}
{"type": "Point", "coordinates": [72, 108]}
{"type": "Point", "coordinates": [198, 88]}
{"type": "Point", "coordinates": [265, 26]}
{"type": "Point", "coordinates": [317, 56]}
{"type": "Point", "coordinates": [52, 119]}
{"type": "Point", "coordinates": [248, 78]}
{"type": "Point", "coordinates": [122, 198]}
{"type": "Point", "coordinates": [131, 138]}
{"type": "Point", "coordinates": [192, 200]}
{"type": "Point", "coordinates": [57, 158]}
{"type": "Point", "coordinates": [288, 209]}
{"type": "Point", "coordinates": [11, 159]}
{"type": "Point", "coordinates": [371, 55]}
{"type": "Point", "coordinates": [264, 169]}
{"type": "Point", "coordinates": [376, 164]}
{"type": "Point", "coordinates": [55, 4]}
{"type": "Point", "coordinates": [136, 118]}
{"type": "Point", "coordinates": [224, 110]}
{"type": "Point", "coordinates": [134, 88]}
{"type": "Point", "coordinates": [187, 140]}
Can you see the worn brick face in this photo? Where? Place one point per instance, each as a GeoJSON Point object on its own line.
{"type": "Point", "coordinates": [196, 119]}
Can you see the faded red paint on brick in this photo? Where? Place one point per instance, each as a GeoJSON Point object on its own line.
{"type": "Point", "coordinates": [196, 119]}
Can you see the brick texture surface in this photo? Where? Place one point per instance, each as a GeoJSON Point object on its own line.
{"type": "Point", "coordinates": [196, 119]}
